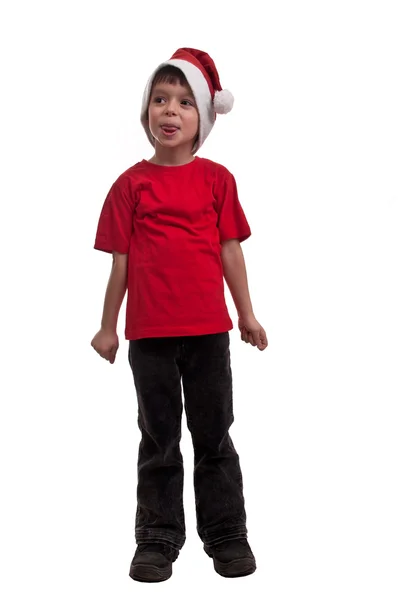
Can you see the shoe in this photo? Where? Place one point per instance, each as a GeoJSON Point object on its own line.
{"type": "Point", "coordinates": [233, 558]}
{"type": "Point", "coordinates": [152, 562]}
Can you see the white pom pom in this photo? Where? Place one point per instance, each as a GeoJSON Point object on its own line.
{"type": "Point", "coordinates": [223, 102]}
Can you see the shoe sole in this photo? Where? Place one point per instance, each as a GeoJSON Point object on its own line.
{"type": "Point", "coordinates": [150, 573]}
{"type": "Point", "coordinates": [236, 568]}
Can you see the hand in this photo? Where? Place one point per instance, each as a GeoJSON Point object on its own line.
{"type": "Point", "coordinates": [106, 343]}
{"type": "Point", "coordinates": [252, 332]}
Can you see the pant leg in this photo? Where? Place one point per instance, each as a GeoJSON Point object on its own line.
{"type": "Point", "coordinates": [207, 384]}
{"type": "Point", "coordinates": [157, 379]}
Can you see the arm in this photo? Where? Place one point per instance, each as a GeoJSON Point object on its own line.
{"type": "Point", "coordinates": [115, 292]}
{"type": "Point", "coordinates": [236, 277]}
{"type": "Point", "coordinates": [106, 341]}
{"type": "Point", "coordinates": [114, 231]}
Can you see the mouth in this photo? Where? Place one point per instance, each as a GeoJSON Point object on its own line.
{"type": "Point", "coordinates": [169, 129]}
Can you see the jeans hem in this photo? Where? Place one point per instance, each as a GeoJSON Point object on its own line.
{"type": "Point", "coordinates": [218, 537]}
{"type": "Point", "coordinates": [157, 535]}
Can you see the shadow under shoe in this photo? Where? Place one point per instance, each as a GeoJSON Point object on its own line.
{"type": "Point", "coordinates": [232, 558]}
{"type": "Point", "coordinates": [152, 562]}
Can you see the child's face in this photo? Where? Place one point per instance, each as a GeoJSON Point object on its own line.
{"type": "Point", "coordinates": [172, 114]}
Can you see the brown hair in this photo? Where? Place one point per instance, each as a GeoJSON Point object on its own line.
{"type": "Point", "coordinates": [169, 74]}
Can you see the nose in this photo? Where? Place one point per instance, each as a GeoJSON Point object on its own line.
{"type": "Point", "coordinates": [171, 107]}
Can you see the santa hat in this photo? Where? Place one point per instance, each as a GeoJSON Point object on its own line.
{"type": "Point", "coordinates": [202, 76]}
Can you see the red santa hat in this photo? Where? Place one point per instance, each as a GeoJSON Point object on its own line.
{"type": "Point", "coordinates": [202, 76]}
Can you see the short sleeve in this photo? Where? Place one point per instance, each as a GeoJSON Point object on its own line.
{"type": "Point", "coordinates": [232, 222]}
{"type": "Point", "coordinates": [115, 225]}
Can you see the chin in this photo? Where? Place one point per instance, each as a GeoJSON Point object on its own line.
{"type": "Point", "coordinates": [174, 143]}
{"type": "Point", "coordinates": [169, 143]}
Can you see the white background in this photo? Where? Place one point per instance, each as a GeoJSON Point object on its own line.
{"type": "Point", "coordinates": [312, 142]}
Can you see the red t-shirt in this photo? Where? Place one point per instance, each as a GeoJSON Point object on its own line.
{"type": "Point", "coordinates": [171, 222]}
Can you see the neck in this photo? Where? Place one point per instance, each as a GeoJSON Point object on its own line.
{"type": "Point", "coordinates": [171, 156]}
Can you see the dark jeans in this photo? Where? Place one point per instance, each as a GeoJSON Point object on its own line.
{"type": "Point", "coordinates": [203, 364]}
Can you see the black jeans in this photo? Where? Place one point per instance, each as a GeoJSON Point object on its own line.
{"type": "Point", "coordinates": [203, 364]}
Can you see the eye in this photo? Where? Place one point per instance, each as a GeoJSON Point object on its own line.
{"type": "Point", "coordinates": [158, 99]}
{"type": "Point", "coordinates": [188, 101]}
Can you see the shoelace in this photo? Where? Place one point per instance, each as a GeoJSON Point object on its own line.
{"type": "Point", "coordinates": [157, 547]}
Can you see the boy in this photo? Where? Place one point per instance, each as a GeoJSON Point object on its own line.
{"type": "Point", "coordinates": [174, 225]}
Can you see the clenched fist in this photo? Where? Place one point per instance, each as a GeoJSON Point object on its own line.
{"type": "Point", "coordinates": [106, 343]}
{"type": "Point", "coordinates": [252, 332]}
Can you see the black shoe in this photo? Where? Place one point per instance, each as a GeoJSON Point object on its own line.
{"type": "Point", "coordinates": [153, 562]}
{"type": "Point", "coordinates": [233, 558]}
